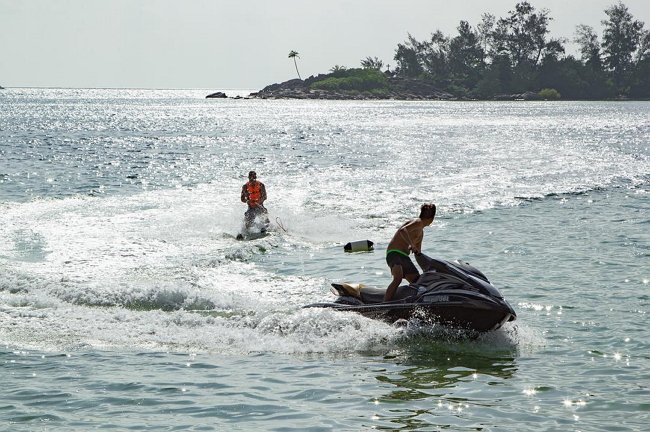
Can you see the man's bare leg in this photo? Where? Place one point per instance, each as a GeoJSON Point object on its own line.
{"type": "Point", "coordinates": [398, 275]}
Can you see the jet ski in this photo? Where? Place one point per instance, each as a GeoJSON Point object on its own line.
{"type": "Point", "coordinates": [452, 293]}
{"type": "Point", "coordinates": [258, 227]}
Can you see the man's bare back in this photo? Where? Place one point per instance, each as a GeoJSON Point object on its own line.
{"type": "Point", "coordinates": [407, 239]}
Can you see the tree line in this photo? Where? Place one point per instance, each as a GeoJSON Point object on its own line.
{"type": "Point", "coordinates": [515, 54]}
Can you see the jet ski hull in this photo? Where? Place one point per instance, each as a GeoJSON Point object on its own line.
{"type": "Point", "coordinates": [452, 294]}
{"type": "Point", "coordinates": [459, 316]}
{"type": "Point", "coordinates": [258, 228]}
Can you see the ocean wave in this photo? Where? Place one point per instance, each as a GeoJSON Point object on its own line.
{"type": "Point", "coordinates": [636, 184]}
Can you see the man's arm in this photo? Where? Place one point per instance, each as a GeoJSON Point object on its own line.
{"type": "Point", "coordinates": [412, 232]}
{"type": "Point", "coordinates": [418, 243]}
{"type": "Point", "coordinates": [244, 195]}
{"type": "Point", "coordinates": [405, 232]}
{"type": "Point", "coordinates": [263, 193]}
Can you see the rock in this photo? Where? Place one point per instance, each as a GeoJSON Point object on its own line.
{"type": "Point", "coordinates": [526, 96]}
{"type": "Point", "coordinates": [408, 88]}
{"type": "Point", "coordinates": [219, 95]}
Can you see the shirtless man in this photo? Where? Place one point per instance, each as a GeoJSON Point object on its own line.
{"type": "Point", "coordinates": [407, 239]}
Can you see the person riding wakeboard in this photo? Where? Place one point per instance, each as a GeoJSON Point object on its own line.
{"type": "Point", "coordinates": [253, 193]}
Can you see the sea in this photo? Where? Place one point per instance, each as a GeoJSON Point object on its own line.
{"type": "Point", "coordinates": [127, 303]}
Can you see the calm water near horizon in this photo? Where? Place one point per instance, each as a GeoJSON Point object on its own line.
{"type": "Point", "coordinates": [126, 302]}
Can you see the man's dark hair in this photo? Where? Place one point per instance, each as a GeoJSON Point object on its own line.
{"type": "Point", "coordinates": [428, 211]}
{"type": "Point", "coordinates": [252, 174]}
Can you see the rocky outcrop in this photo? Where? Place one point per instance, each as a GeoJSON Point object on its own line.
{"type": "Point", "coordinates": [527, 96]}
{"type": "Point", "coordinates": [414, 89]}
{"type": "Point", "coordinates": [217, 95]}
{"type": "Point", "coordinates": [398, 88]}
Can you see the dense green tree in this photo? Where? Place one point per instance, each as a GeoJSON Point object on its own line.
{"type": "Point", "coordinates": [524, 78]}
{"type": "Point", "coordinates": [641, 78]}
{"type": "Point", "coordinates": [522, 35]}
{"type": "Point", "coordinates": [338, 70]}
{"type": "Point", "coordinates": [522, 38]}
{"type": "Point", "coordinates": [591, 70]}
{"type": "Point", "coordinates": [564, 76]}
{"type": "Point", "coordinates": [408, 58]}
{"type": "Point", "coordinates": [485, 30]}
{"type": "Point", "coordinates": [643, 52]}
{"type": "Point", "coordinates": [490, 83]}
{"type": "Point", "coordinates": [466, 57]}
{"type": "Point", "coordinates": [587, 39]}
{"type": "Point", "coordinates": [434, 56]}
{"type": "Point", "coordinates": [621, 39]}
{"type": "Point", "coordinates": [372, 63]}
{"type": "Point", "coordinates": [497, 78]}
{"type": "Point", "coordinates": [515, 54]}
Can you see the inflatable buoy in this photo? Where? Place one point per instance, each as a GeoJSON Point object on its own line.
{"type": "Point", "coordinates": [359, 246]}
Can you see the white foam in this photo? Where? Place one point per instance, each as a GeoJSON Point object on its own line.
{"type": "Point", "coordinates": [97, 272]}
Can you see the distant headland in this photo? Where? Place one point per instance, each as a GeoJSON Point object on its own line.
{"type": "Point", "coordinates": [508, 58]}
{"type": "Point", "coordinates": [344, 86]}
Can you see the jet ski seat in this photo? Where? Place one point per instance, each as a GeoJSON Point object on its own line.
{"type": "Point", "coordinates": [372, 295]}
{"type": "Point", "coordinates": [376, 295]}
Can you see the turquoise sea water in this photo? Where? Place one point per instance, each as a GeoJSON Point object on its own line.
{"type": "Point", "coordinates": [126, 303]}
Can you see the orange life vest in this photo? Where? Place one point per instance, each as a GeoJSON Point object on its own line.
{"type": "Point", "coordinates": [254, 191]}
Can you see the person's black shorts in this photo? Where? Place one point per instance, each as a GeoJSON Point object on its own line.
{"type": "Point", "coordinates": [253, 212]}
{"type": "Point", "coordinates": [396, 258]}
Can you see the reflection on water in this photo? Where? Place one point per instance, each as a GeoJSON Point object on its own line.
{"type": "Point", "coordinates": [445, 380]}
{"type": "Point", "coordinates": [431, 365]}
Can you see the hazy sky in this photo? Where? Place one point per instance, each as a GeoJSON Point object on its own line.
{"type": "Point", "coordinates": [220, 44]}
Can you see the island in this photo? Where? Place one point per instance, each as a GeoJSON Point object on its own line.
{"type": "Point", "coordinates": [508, 58]}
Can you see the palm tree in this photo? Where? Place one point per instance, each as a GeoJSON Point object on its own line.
{"type": "Point", "coordinates": [293, 54]}
{"type": "Point", "coordinates": [372, 63]}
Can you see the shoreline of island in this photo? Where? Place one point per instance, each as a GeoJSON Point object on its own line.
{"type": "Point", "coordinates": [398, 88]}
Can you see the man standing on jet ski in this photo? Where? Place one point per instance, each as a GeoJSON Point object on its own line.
{"type": "Point", "coordinates": [407, 239]}
{"type": "Point", "coordinates": [253, 193]}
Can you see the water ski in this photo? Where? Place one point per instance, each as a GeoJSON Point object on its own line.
{"type": "Point", "coordinates": [252, 234]}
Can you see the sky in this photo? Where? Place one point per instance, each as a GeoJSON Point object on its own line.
{"type": "Point", "coordinates": [234, 44]}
